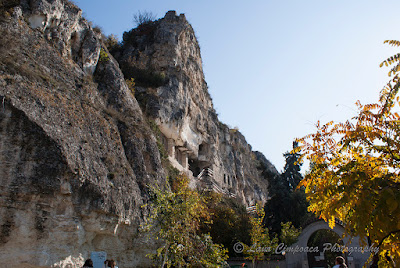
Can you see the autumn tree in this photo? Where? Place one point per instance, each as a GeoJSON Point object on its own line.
{"type": "Point", "coordinates": [176, 214]}
{"type": "Point", "coordinates": [261, 242]}
{"type": "Point", "coordinates": [355, 172]}
{"type": "Point", "coordinates": [289, 233]}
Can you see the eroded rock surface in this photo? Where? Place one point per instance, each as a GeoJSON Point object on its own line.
{"type": "Point", "coordinates": [76, 153]}
{"type": "Point", "coordinates": [176, 96]}
{"type": "Point", "coordinates": [76, 148]}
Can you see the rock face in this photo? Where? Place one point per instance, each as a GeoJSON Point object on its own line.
{"type": "Point", "coordinates": [76, 150]}
{"type": "Point", "coordinates": [176, 97]}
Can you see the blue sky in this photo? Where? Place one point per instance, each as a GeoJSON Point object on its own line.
{"type": "Point", "coordinates": [276, 67]}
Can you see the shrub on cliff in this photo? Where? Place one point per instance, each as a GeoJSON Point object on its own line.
{"type": "Point", "coordinates": [145, 30]}
{"type": "Point", "coordinates": [144, 17]}
{"type": "Point", "coordinates": [112, 44]}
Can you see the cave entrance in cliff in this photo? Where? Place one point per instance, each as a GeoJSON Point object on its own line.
{"type": "Point", "coordinates": [197, 166]}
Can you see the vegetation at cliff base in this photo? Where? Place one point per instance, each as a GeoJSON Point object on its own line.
{"type": "Point", "coordinates": [354, 176]}
{"type": "Point", "coordinates": [260, 239]}
{"type": "Point", "coordinates": [229, 222]}
{"type": "Point", "coordinates": [177, 213]}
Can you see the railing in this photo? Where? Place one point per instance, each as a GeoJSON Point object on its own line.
{"type": "Point", "coordinates": [251, 209]}
{"type": "Point", "coordinates": [207, 173]}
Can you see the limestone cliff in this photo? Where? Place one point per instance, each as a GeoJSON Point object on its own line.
{"type": "Point", "coordinates": [76, 151]}
{"type": "Point", "coordinates": [176, 97]}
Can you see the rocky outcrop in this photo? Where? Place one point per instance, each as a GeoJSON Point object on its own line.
{"type": "Point", "coordinates": [176, 97]}
{"type": "Point", "coordinates": [76, 153]}
{"type": "Point", "coordinates": [76, 149]}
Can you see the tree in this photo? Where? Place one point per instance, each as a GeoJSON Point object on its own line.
{"type": "Point", "coordinates": [261, 242]}
{"type": "Point", "coordinates": [176, 214]}
{"type": "Point", "coordinates": [229, 223]}
{"type": "Point", "coordinates": [292, 167]}
{"type": "Point", "coordinates": [356, 168]}
{"type": "Point", "coordinates": [287, 204]}
{"type": "Point", "coordinates": [289, 233]}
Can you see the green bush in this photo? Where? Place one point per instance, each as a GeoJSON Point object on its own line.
{"type": "Point", "coordinates": [103, 56]}
{"type": "Point", "coordinates": [229, 223]}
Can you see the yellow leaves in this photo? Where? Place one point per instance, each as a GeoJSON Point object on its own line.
{"type": "Point", "coordinates": [392, 42]}
{"type": "Point", "coordinates": [331, 222]}
{"type": "Point", "coordinates": [355, 166]}
{"type": "Point", "coordinates": [177, 212]}
{"type": "Point", "coordinates": [302, 183]}
{"type": "Point", "coordinates": [391, 60]}
{"type": "Point", "coordinates": [372, 106]}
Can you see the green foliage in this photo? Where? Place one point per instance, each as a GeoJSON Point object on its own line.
{"type": "Point", "coordinates": [289, 233]}
{"type": "Point", "coordinates": [229, 223]}
{"type": "Point", "coordinates": [319, 238]}
{"type": "Point", "coordinates": [259, 238]}
{"type": "Point", "coordinates": [103, 57]}
{"type": "Point", "coordinates": [355, 171]}
{"type": "Point", "coordinates": [9, 4]}
{"type": "Point", "coordinates": [292, 167]}
{"type": "Point", "coordinates": [144, 32]}
{"type": "Point", "coordinates": [287, 204]}
{"type": "Point", "coordinates": [177, 214]}
{"type": "Point", "coordinates": [172, 172]}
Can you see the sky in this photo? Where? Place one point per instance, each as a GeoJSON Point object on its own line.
{"type": "Point", "coordinates": [274, 68]}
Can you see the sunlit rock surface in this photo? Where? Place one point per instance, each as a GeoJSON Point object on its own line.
{"type": "Point", "coordinates": [76, 148]}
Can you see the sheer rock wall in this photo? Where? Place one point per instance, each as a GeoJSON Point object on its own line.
{"type": "Point", "coordinates": [182, 107]}
{"type": "Point", "coordinates": [76, 153]}
{"type": "Point", "coordinates": [76, 149]}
